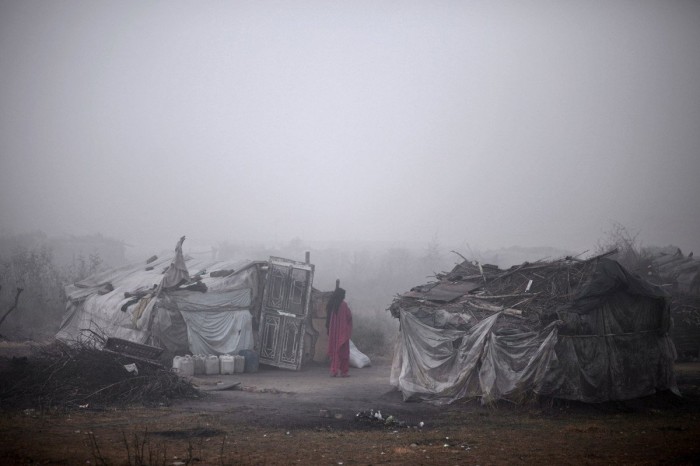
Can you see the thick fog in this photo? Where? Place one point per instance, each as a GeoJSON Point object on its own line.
{"type": "Point", "coordinates": [486, 124]}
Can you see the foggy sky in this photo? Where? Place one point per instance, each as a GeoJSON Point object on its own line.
{"type": "Point", "coordinates": [486, 123]}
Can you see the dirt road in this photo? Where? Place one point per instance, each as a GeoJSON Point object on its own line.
{"type": "Point", "coordinates": [307, 398]}
{"type": "Point", "coordinates": [307, 417]}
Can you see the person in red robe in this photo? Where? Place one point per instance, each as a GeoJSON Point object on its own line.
{"type": "Point", "coordinates": [339, 329]}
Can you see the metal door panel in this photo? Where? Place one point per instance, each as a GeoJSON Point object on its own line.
{"type": "Point", "coordinates": [290, 342]}
{"type": "Point", "coordinates": [269, 336]}
{"type": "Point", "coordinates": [286, 300]}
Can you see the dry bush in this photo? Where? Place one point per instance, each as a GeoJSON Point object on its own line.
{"type": "Point", "coordinates": [629, 249]}
{"type": "Point", "coordinates": [32, 267]}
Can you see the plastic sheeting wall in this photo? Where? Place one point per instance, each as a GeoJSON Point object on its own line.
{"type": "Point", "coordinates": [219, 332]}
{"type": "Point", "coordinates": [611, 343]}
{"type": "Point", "coordinates": [441, 365]}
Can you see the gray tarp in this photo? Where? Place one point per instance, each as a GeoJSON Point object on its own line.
{"type": "Point", "coordinates": [442, 365]}
{"type": "Point", "coordinates": [219, 332]}
{"type": "Point", "coordinates": [217, 322]}
{"type": "Point", "coordinates": [611, 343]}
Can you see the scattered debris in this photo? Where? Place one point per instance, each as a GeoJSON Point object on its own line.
{"type": "Point", "coordinates": [373, 417]}
{"type": "Point", "coordinates": [82, 375]}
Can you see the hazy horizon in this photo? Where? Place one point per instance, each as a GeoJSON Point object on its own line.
{"type": "Point", "coordinates": [463, 123]}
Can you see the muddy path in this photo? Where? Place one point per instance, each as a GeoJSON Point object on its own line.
{"type": "Point", "coordinates": [306, 417]}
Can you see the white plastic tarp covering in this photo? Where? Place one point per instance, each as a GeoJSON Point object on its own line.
{"type": "Point", "coordinates": [212, 301]}
{"type": "Point", "coordinates": [99, 302]}
{"type": "Point", "coordinates": [218, 322]}
{"type": "Point", "coordinates": [218, 332]}
{"type": "Point", "coordinates": [91, 308]}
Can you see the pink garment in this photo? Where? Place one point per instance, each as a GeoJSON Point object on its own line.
{"type": "Point", "coordinates": [339, 333]}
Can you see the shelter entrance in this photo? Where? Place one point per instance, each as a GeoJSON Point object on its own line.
{"type": "Point", "coordinates": [285, 307]}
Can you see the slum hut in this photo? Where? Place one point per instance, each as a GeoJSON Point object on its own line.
{"type": "Point", "coordinates": [574, 329]}
{"type": "Point", "coordinates": [185, 305]}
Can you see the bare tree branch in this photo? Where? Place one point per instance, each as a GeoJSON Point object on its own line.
{"type": "Point", "coordinates": [19, 290]}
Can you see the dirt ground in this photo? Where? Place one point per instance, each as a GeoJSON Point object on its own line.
{"type": "Point", "coordinates": [283, 417]}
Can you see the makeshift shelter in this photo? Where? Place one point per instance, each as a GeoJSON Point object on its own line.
{"type": "Point", "coordinates": [679, 274]}
{"type": "Point", "coordinates": [572, 329]}
{"type": "Point", "coordinates": [187, 305]}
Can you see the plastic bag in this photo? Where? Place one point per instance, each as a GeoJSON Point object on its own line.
{"type": "Point", "coordinates": [358, 358]}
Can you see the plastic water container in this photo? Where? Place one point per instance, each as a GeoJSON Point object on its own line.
{"type": "Point", "coordinates": [227, 364]}
{"type": "Point", "coordinates": [211, 365]}
{"type": "Point", "coordinates": [184, 366]}
{"type": "Point", "coordinates": [251, 360]}
{"type": "Point", "coordinates": [199, 367]}
{"type": "Point", "coordinates": [238, 363]}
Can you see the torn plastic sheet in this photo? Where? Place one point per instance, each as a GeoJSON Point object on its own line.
{"type": "Point", "coordinates": [441, 366]}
